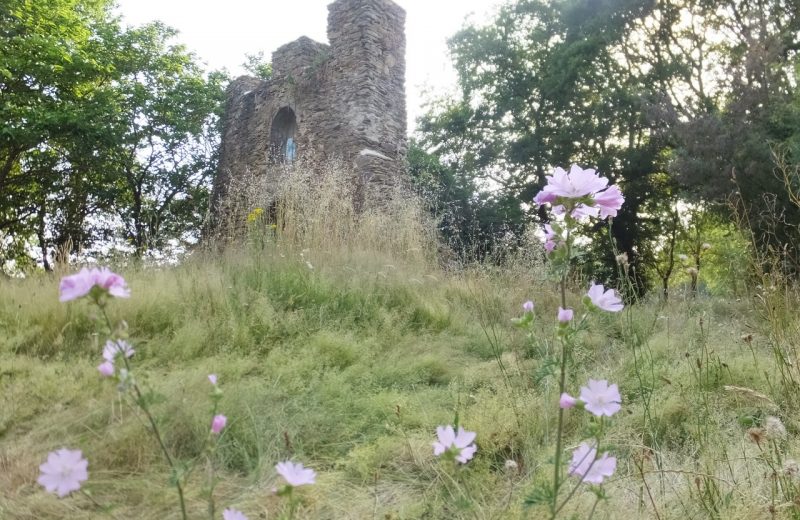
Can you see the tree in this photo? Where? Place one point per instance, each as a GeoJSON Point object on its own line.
{"type": "Point", "coordinates": [165, 137]}
{"type": "Point", "coordinates": [47, 74]}
{"type": "Point", "coordinates": [471, 222]}
{"type": "Point", "coordinates": [691, 91]}
{"type": "Point", "coordinates": [108, 133]}
{"type": "Point", "coordinates": [730, 105]}
{"type": "Point", "coordinates": [546, 84]}
{"type": "Point", "coordinates": [258, 65]}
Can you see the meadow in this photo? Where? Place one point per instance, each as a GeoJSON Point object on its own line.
{"type": "Point", "coordinates": [346, 355]}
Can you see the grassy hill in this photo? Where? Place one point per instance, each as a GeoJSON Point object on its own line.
{"type": "Point", "coordinates": [343, 344]}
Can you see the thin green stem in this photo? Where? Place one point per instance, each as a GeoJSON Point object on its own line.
{"type": "Point", "coordinates": [591, 513]}
{"type": "Point", "coordinates": [143, 405]}
{"type": "Point", "coordinates": [292, 504]}
{"type": "Point", "coordinates": [561, 388]}
{"type": "Point", "coordinates": [212, 443]}
{"type": "Point", "coordinates": [211, 505]}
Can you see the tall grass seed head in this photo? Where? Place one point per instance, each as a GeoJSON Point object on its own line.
{"type": "Point", "coordinates": [756, 435]}
{"type": "Point", "coordinates": [774, 429]}
{"type": "Point", "coordinates": [791, 469]}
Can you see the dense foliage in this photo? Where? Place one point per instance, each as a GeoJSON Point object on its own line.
{"type": "Point", "coordinates": [669, 97]}
{"type": "Point", "coordinates": [108, 134]}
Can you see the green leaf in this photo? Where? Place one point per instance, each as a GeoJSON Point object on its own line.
{"type": "Point", "coordinates": [540, 495]}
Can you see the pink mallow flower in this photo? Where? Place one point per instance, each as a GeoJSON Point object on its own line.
{"type": "Point", "coordinates": [527, 306]}
{"type": "Point", "coordinates": [578, 184]}
{"type": "Point", "coordinates": [551, 238]}
{"type": "Point", "coordinates": [212, 378]}
{"type": "Point", "coordinates": [565, 315]}
{"type": "Point", "coordinates": [106, 368]}
{"type": "Point", "coordinates": [575, 184]}
{"type": "Point", "coordinates": [588, 467]}
{"type": "Point", "coordinates": [460, 443]}
{"type": "Point", "coordinates": [567, 401]}
{"type": "Point", "coordinates": [114, 348]}
{"type": "Point", "coordinates": [233, 514]}
{"type": "Point", "coordinates": [609, 201]}
{"type": "Point", "coordinates": [63, 472]}
{"type": "Point", "coordinates": [218, 423]}
{"type": "Point", "coordinates": [80, 284]}
{"type": "Point", "coordinates": [604, 299]}
{"type": "Point", "coordinates": [544, 197]}
{"type": "Point", "coordinates": [295, 474]}
{"type": "Point", "coordinates": [601, 399]}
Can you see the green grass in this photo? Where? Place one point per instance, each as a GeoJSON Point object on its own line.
{"type": "Point", "coordinates": [350, 366]}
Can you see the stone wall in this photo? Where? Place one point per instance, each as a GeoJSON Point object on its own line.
{"type": "Point", "coordinates": [348, 99]}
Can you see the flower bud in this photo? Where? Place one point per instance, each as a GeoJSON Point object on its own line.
{"type": "Point", "coordinates": [106, 369]}
{"type": "Point", "coordinates": [218, 423]}
{"type": "Point", "coordinates": [567, 401]}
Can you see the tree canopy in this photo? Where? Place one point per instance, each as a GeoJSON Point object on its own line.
{"type": "Point", "coordinates": [109, 133]}
{"type": "Point", "coordinates": [670, 98]}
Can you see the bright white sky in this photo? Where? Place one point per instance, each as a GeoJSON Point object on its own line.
{"type": "Point", "coordinates": [221, 32]}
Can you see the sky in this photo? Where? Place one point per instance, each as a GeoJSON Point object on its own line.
{"type": "Point", "coordinates": [222, 32]}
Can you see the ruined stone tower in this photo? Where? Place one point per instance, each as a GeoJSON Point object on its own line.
{"type": "Point", "coordinates": [344, 100]}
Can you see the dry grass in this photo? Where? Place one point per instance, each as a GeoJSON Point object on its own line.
{"type": "Point", "coordinates": [316, 207]}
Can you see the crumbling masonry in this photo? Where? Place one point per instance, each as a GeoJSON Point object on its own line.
{"type": "Point", "coordinates": [344, 100]}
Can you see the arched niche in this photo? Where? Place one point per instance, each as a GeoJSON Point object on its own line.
{"type": "Point", "coordinates": [282, 143]}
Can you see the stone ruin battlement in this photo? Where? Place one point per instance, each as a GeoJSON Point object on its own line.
{"type": "Point", "coordinates": [342, 100]}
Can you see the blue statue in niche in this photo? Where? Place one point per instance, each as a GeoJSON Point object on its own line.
{"type": "Point", "coordinates": [291, 150]}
